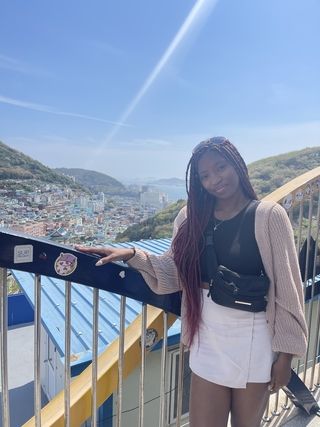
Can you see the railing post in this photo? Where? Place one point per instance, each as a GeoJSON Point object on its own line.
{"type": "Point", "coordinates": [299, 226]}
{"type": "Point", "coordinates": [315, 352]}
{"type": "Point", "coordinates": [299, 197]}
{"type": "Point", "coordinates": [164, 353]}
{"type": "Point", "coordinates": [305, 278]}
{"type": "Point", "coordinates": [275, 410]}
{"type": "Point", "coordinates": [143, 364]}
{"type": "Point", "coordinates": [180, 384]}
{"type": "Point", "coordinates": [95, 357]}
{"type": "Point", "coordinates": [4, 347]}
{"type": "Point", "coordinates": [266, 417]}
{"type": "Point", "coordinates": [121, 360]}
{"type": "Point", "coordinates": [310, 312]}
{"type": "Point", "coordinates": [67, 374]}
{"type": "Point", "coordinates": [37, 354]}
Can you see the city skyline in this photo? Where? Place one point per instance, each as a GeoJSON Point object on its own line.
{"type": "Point", "coordinates": [128, 89]}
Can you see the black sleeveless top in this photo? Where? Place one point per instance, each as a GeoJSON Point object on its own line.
{"type": "Point", "coordinates": [235, 245]}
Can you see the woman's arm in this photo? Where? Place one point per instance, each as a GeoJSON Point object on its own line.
{"type": "Point", "coordinates": [290, 329]}
{"type": "Point", "coordinates": [108, 254]}
{"type": "Point", "coordinates": [159, 271]}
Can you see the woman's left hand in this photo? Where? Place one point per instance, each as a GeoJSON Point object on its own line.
{"type": "Point", "coordinates": [280, 372]}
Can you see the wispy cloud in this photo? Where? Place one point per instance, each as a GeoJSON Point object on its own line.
{"type": "Point", "coordinates": [198, 13]}
{"type": "Point", "coordinates": [107, 48]}
{"type": "Point", "coordinates": [51, 110]}
{"type": "Point", "coordinates": [143, 143]}
{"type": "Point", "coordinates": [13, 64]}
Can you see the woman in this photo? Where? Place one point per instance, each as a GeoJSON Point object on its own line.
{"type": "Point", "coordinates": [236, 357]}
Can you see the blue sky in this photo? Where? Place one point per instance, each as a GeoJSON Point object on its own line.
{"type": "Point", "coordinates": [129, 87]}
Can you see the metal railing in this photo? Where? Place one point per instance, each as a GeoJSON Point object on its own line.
{"type": "Point", "coordinates": [81, 397]}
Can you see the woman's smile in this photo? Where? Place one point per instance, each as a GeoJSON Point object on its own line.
{"type": "Point", "coordinates": [217, 176]}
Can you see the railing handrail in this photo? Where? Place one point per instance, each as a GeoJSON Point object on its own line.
{"type": "Point", "coordinates": [293, 186]}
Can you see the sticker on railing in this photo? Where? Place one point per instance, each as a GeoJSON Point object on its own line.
{"type": "Point", "coordinates": [151, 337]}
{"type": "Point", "coordinates": [307, 191]}
{"type": "Point", "coordinates": [299, 196]}
{"type": "Point", "coordinates": [65, 264]}
{"type": "Point", "coordinates": [23, 253]}
{"type": "Point", "coordinates": [287, 202]}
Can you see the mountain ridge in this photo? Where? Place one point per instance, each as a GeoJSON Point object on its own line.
{"type": "Point", "coordinates": [94, 181]}
{"type": "Point", "coordinates": [16, 166]}
{"type": "Point", "coordinates": [266, 175]}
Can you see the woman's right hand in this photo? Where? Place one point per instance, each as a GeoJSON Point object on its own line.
{"type": "Point", "coordinates": [107, 254]}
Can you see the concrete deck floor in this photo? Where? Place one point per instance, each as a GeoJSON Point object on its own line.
{"type": "Point", "coordinates": [20, 381]}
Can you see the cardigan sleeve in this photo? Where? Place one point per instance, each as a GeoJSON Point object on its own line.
{"type": "Point", "coordinates": [290, 329]}
{"type": "Point", "coordinates": [159, 271]}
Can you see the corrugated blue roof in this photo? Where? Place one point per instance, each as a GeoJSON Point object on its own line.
{"type": "Point", "coordinates": [53, 308]}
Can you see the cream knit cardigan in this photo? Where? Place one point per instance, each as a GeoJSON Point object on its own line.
{"type": "Point", "coordinates": [285, 309]}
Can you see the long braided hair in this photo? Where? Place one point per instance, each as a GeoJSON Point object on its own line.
{"type": "Point", "coordinates": [189, 241]}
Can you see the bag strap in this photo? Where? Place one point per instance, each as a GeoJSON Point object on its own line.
{"type": "Point", "coordinates": [211, 255]}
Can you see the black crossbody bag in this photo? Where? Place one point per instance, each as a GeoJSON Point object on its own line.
{"type": "Point", "coordinates": [231, 289]}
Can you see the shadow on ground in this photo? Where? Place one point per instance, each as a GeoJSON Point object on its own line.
{"type": "Point", "coordinates": [21, 402]}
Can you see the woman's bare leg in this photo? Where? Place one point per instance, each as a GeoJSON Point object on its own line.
{"type": "Point", "coordinates": [248, 405]}
{"type": "Point", "coordinates": [210, 403]}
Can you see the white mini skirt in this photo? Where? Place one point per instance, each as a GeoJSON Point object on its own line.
{"type": "Point", "coordinates": [232, 347]}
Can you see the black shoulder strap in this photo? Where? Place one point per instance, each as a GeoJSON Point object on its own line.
{"type": "Point", "coordinates": [211, 256]}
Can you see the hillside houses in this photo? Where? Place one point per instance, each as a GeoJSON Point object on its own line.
{"type": "Point", "coordinates": [69, 216]}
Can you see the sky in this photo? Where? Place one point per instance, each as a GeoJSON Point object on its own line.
{"type": "Point", "coordinates": [128, 88]}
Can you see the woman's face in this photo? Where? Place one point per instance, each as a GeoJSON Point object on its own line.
{"type": "Point", "coordinates": [217, 176]}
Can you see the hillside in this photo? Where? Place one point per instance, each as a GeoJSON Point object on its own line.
{"type": "Point", "coordinates": [270, 173]}
{"type": "Point", "coordinates": [156, 227]}
{"type": "Point", "coordinates": [94, 181]}
{"type": "Point", "coordinates": [266, 175]}
{"type": "Point", "coordinates": [16, 166]}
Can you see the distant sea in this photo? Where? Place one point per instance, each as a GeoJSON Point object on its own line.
{"type": "Point", "coordinates": [174, 192]}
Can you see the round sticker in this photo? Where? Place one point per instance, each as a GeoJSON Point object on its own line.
{"type": "Point", "coordinates": [299, 196]}
{"type": "Point", "coordinates": [307, 190]}
{"type": "Point", "coordinates": [287, 202]}
{"type": "Point", "coordinates": [151, 337]}
{"type": "Point", "coordinates": [65, 264]}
